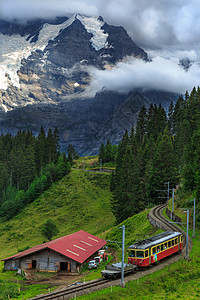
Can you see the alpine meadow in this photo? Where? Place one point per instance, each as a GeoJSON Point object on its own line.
{"type": "Point", "coordinates": [99, 149]}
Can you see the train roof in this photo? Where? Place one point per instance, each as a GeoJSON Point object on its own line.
{"type": "Point", "coordinates": [154, 240]}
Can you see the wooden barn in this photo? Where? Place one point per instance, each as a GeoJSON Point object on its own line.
{"type": "Point", "coordinates": [66, 253]}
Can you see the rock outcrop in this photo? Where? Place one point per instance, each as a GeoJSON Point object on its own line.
{"type": "Point", "coordinates": [45, 74]}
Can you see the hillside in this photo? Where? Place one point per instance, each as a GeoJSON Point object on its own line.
{"type": "Point", "coordinates": [81, 201]}
{"type": "Point", "coordinates": [78, 201]}
{"type": "Point", "coordinates": [179, 280]}
{"type": "Point", "coordinates": [47, 78]}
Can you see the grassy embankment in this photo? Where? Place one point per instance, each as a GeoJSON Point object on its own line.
{"type": "Point", "coordinates": [180, 280]}
{"type": "Point", "coordinates": [77, 202]}
{"type": "Point", "coordinates": [80, 201]}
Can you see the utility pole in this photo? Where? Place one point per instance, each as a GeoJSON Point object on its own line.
{"type": "Point", "coordinates": [172, 204]}
{"type": "Point", "coordinates": [123, 245]}
{"type": "Point", "coordinates": [187, 256]}
{"type": "Point", "coordinates": [167, 191]}
{"type": "Point", "coordinates": [122, 265]}
{"type": "Point", "coordinates": [194, 221]}
{"type": "Point", "coordinates": [100, 164]}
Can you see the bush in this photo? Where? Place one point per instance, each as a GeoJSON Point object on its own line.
{"type": "Point", "coordinates": [49, 229]}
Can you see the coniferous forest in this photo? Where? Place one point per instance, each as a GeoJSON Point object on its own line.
{"type": "Point", "coordinates": [28, 166]}
{"type": "Point", "coordinates": [164, 147]}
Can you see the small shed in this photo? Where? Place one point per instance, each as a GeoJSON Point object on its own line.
{"type": "Point", "coordinates": [65, 253]}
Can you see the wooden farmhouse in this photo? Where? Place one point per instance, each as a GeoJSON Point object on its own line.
{"type": "Point", "coordinates": [66, 253]}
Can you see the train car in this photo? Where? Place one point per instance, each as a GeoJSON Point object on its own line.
{"type": "Point", "coordinates": [114, 271]}
{"type": "Point", "coordinates": [150, 251]}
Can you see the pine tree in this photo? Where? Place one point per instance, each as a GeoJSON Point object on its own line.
{"type": "Point", "coordinates": [170, 122]}
{"type": "Point", "coordinates": [40, 155]}
{"type": "Point", "coordinates": [141, 125]}
{"type": "Point", "coordinates": [163, 167]}
{"type": "Point", "coordinates": [50, 147]}
{"type": "Point", "coordinates": [102, 153]}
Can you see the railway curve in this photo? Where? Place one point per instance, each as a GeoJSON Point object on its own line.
{"type": "Point", "coordinates": [157, 220]}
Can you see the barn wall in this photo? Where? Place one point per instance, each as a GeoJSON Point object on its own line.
{"type": "Point", "coordinates": [46, 260]}
{"type": "Point", "coordinates": [11, 264]}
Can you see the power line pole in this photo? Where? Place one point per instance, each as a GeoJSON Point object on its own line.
{"type": "Point", "coordinates": [187, 256]}
{"type": "Point", "coordinates": [172, 204]}
{"type": "Point", "coordinates": [194, 221]}
{"type": "Point", "coordinates": [122, 265]}
{"type": "Point", "coordinates": [100, 165]}
{"type": "Point", "coordinates": [167, 191]}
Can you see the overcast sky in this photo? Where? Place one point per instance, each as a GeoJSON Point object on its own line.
{"type": "Point", "coordinates": [167, 29]}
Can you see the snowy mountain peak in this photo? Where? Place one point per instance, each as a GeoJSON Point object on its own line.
{"type": "Point", "coordinates": [48, 61]}
{"type": "Point", "coordinates": [94, 25]}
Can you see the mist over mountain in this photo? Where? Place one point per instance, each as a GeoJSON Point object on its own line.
{"type": "Point", "coordinates": [75, 74]}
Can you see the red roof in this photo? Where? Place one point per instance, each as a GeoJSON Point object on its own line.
{"type": "Point", "coordinates": [78, 246]}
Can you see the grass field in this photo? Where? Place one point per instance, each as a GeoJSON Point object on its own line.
{"type": "Point", "coordinates": [77, 202]}
{"type": "Point", "coordinates": [81, 200]}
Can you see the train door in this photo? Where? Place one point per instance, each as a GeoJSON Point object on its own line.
{"type": "Point", "coordinates": [149, 256]}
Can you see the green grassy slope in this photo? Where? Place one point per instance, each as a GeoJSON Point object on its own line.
{"type": "Point", "coordinates": [79, 201]}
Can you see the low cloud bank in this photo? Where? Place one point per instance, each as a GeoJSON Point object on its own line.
{"type": "Point", "coordinates": [159, 74]}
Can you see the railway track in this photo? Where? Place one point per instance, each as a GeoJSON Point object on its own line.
{"type": "Point", "coordinates": [156, 218]}
{"type": "Point", "coordinates": [69, 292]}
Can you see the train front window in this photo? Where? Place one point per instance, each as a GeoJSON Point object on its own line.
{"type": "Point", "coordinates": [132, 253]}
{"type": "Point", "coordinates": [140, 254]}
{"type": "Point", "coordinates": [146, 253]}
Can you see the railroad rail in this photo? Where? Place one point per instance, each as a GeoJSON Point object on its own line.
{"type": "Point", "coordinates": [69, 292]}
{"type": "Point", "coordinates": [158, 220]}
{"type": "Point", "coordinates": [155, 217]}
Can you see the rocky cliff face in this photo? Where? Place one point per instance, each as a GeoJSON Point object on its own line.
{"type": "Point", "coordinates": [44, 74]}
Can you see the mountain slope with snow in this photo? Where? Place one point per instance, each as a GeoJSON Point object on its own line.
{"type": "Point", "coordinates": [46, 70]}
{"type": "Point", "coordinates": [49, 62]}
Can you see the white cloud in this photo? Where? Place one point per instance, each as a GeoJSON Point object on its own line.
{"type": "Point", "coordinates": [166, 30]}
{"type": "Point", "coordinates": [159, 74]}
{"type": "Point", "coordinates": [152, 24]}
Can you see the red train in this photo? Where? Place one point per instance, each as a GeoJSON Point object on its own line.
{"type": "Point", "coordinates": [152, 250]}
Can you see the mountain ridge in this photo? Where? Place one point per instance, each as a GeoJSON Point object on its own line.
{"type": "Point", "coordinates": [46, 75]}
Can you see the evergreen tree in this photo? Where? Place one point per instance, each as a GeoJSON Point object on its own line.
{"type": "Point", "coordinates": [163, 167]}
{"type": "Point", "coordinates": [170, 122]}
{"type": "Point", "coordinates": [102, 154]}
{"type": "Point", "coordinates": [41, 150]}
{"type": "Point", "coordinates": [49, 229]}
{"type": "Point", "coordinates": [141, 125]}
{"type": "Point", "coordinates": [50, 147]}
